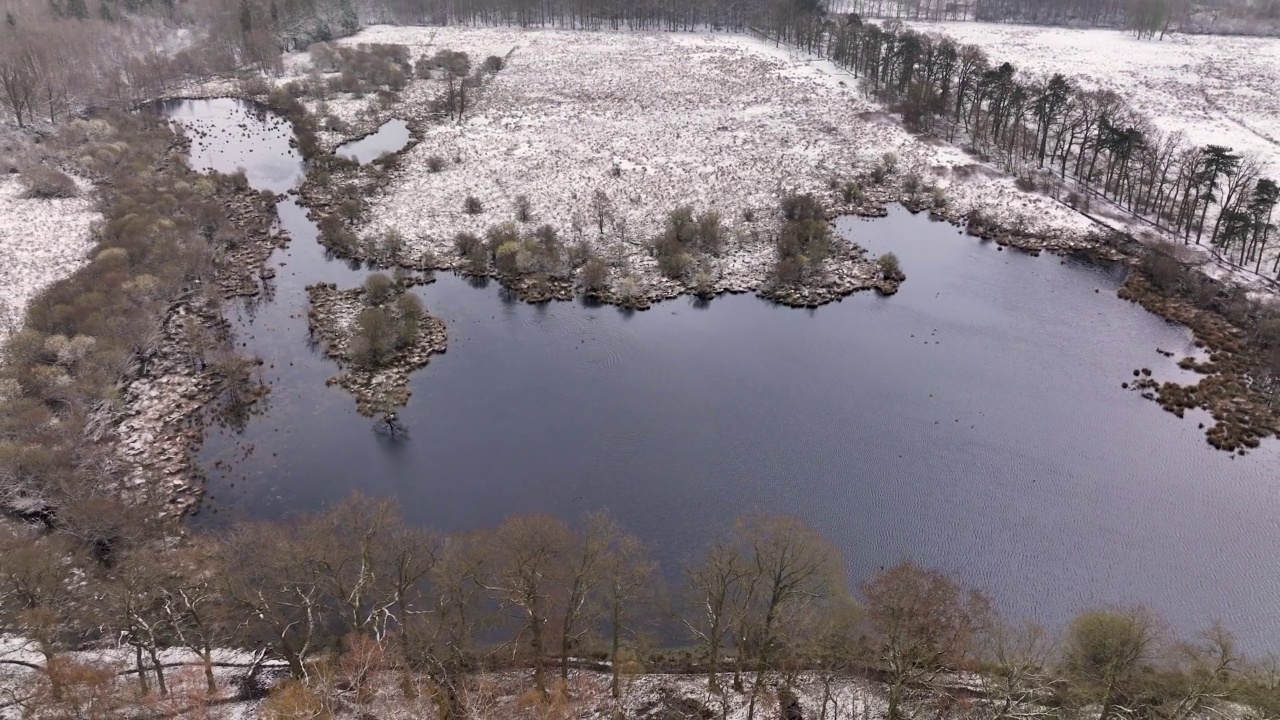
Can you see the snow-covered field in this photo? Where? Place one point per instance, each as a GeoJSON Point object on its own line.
{"type": "Point", "coordinates": [721, 122]}
{"type": "Point", "coordinates": [40, 241]}
{"type": "Point", "coordinates": [1215, 89]}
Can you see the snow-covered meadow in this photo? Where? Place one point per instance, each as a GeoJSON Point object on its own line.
{"type": "Point", "coordinates": [716, 121]}
{"type": "Point", "coordinates": [1215, 89]}
{"type": "Point", "coordinates": [40, 241]}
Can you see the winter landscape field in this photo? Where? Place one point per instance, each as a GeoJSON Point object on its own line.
{"type": "Point", "coordinates": [717, 121]}
{"type": "Point", "coordinates": [1215, 89]}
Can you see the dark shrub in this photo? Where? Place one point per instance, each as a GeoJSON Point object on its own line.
{"type": "Point", "coordinates": [45, 182]}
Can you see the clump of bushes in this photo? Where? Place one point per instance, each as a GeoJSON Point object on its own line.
{"type": "Point", "coordinates": [804, 240]}
{"type": "Point", "coordinates": [685, 237]}
{"type": "Point", "coordinates": [472, 205]}
{"type": "Point", "coordinates": [595, 276]}
{"type": "Point", "coordinates": [44, 182]}
{"type": "Point", "coordinates": [884, 169]}
{"type": "Point", "coordinates": [852, 193]}
{"type": "Point", "coordinates": [365, 68]}
{"type": "Point", "coordinates": [384, 327]}
{"type": "Point", "coordinates": [378, 288]}
{"type": "Point", "coordinates": [889, 267]}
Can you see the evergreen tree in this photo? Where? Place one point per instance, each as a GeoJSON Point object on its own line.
{"type": "Point", "coordinates": [348, 21]}
{"type": "Point", "coordinates": [8, 19]}
{"type": "Point", "coordinates": [246, 17]}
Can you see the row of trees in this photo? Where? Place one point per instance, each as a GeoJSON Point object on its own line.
{"type": "Point", "coordinates": [1149, 15]}
{"type": "Point", "coordinates": [766, 602]}
{"type": "Point", "coordinates": [1052, 134]}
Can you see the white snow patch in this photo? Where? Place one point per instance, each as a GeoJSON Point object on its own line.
{"type": "Point", "coordinates": [41, 241]}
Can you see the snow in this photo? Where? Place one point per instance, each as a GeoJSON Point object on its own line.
{"type": "Point", "coordinates": [723, 122]}
{"type": "Point", "coordinates": [1215, 89]}
{"type": "Point", "coordinates": [41, 241]}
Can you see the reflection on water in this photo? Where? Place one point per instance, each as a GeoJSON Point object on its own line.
{"type": "Point", "coordinates": [974, 422]}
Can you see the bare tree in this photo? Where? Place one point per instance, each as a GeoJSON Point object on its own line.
{"type": "Point", "coordinates": [584, 571]}
{"type": "Point", "coordinates": [19, 79]}
{"type": "Point", "coordinates": [712, 584]}
{"type": "Point", "coordinates": [922, 624]}
{"type": "Point", "coordinates": [529, 553]}
{"type": "Point", "coordinates": [627, 583]}
{"type": "Point", "coordinates": [794, 569]}
{"type": "Point", "coordinates": [1017, 672]}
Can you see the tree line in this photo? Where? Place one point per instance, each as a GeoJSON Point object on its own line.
{"type": "Point", "coordinates": [1055, 136]}
{"type": "Point", "coordinates": [352, 594]}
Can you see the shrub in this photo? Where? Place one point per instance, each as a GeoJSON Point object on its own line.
{"type": "Point", "coordinates": [466, 243]}
{"type": "Point", "coordinates": [889, 266]}
{"type": "Point", "coordinates": [45, 182]}
{"type": "Point", "coordinates": [393, 245]}
{"type": "Point", "coordinates": [501, 234]}
{"type": "Point", "coordinates": [595, 275]}
{"type": "Point", "coordinates": [801, 207]}
{"type": "Point", "coordinates": [410, 310]}
{"type": "Point", "coordinates": [675, 264]}
{"type": "Point", "coordinates": [1025, 184]}
{"type": "Point", "coordinates": [351, 209]}
{"type": "Point", "coordinates": [493, 63]}
{"type": "Point", "coordinates": [852, 193]}
{"type": "Point", "coordinates": [472, 205]}
{"type": "Point", "coordinates": [911, 184]}
{"type": "Point", "coordinates": [939, 197]}
{"type": "Point", "coordinates": [884, 169]}
{"type": "Point", "coordinates": [523, 212]}
{"type": "Point", "coordinates": [435, 163]}
{"type": "Point", "coordinates": [376, 337]}
{"type": "Point", "coordinates": [803, 241]}
{"type": "Point", "coordinates": [378, 288]}
{"type": "Point", "coordinates": [1161, 265]}
{"type": "Point", "coordinates": [709, 235]}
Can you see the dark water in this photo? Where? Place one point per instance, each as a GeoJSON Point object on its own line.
{"type": "Point", "coordinates": [392, 136]}
{"type": "Point", "coordinates": [973, 422]}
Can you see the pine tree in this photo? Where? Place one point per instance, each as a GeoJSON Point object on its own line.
{"type": "Point", "coordinates": [77, 9]}
{"type": "Point", "coordinates": [348, 21]}
{"type": "Point", "coordinates": [246, 17]}
{"type": "Point", "coordinates": [8, 19]}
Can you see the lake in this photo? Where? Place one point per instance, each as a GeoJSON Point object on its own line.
{"type": "Point", "coordinates": [974, 422]}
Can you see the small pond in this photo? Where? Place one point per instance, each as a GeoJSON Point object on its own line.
{"type": "Point", "coordinates": [973, 422]}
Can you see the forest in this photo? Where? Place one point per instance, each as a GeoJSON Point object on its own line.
{"type": "Point", "coordinates": [373, 617]}
{"type": "Point", "coordinates": [1057, 137]}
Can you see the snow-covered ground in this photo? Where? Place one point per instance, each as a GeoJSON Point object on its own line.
{"type": "Point", "coordinates": [1215, 89]}
{"type": "Point", "coordinates": [716, 121]}
{"type": "Point", "coordinates": [40, 241]}
{"type": "Point", "coordinates": [491, 696]}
